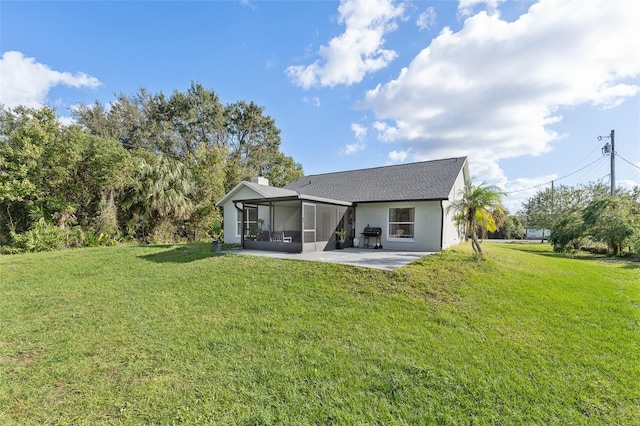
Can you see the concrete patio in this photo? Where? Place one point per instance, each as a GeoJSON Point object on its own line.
{"type": "Point", "coordinates": [366, 258]}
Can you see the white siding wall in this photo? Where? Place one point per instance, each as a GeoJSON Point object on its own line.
{"type": "Point", "coordinates": [427, 224]}
{"type": "Point", "coordinates": [231, 215]}
{"type": "Point", "coordinates": [450, 234]}
{"type": "Point", "coordinates": [230, 224]}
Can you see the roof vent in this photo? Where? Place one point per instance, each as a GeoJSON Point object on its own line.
{"type": "Point", "coordinates": [260, 180]}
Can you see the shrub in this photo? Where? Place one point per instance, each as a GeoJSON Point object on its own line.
{"type": "Point", "coordinates": [612, 220]}
{"type": "Point", "coordinates": [43, 236]}
{"type": "Point", "coordinates": [635, 243]}
{"type": "Point", "coordinates": [568, 233]}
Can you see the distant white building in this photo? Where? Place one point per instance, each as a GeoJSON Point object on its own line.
{"type": "Point", "coordinates": [537, 234]}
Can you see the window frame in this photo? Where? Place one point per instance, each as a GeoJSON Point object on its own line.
{"type": "Point", "coordinates": [390, 236]}
{"type": "Point", "coordinates": [245, 213]}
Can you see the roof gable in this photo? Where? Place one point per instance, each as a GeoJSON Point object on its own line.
{"type": "Point", "coordinates": [262, 191]}
{"type": "Point", "coordinates": [428, 180]}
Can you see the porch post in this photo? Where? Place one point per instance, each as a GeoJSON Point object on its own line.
{"type": "Point", "coordinates": [272, 218]}
{"type": "Point", "coordinates": [241, 225]}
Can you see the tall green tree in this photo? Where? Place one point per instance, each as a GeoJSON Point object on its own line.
{"type": "Point", "coordinates": [612, 220]}
{"type": "Point", "coordinates": [568, 233]}
{"type": "Point", "coordinates": [108, 171]}
{"type": "Point", "coordinates": [185, 122]}
{"type": "Point", "coordinates": [20, 153]}
{"type": "Point", "coordinates": [38, 168]}
{"type": "Point", "coordinates": [191, 120]}
{"type": "Point", "coordinates": [145, 165]}
{"type": "Point", "coordinates": [283, 170]}
{"type": "Point", "coordinates": [207, 166]}
{"type": "Point", "coordinates": [161, 199]}
{"type": "Point", "coordinates": [61, 173]}
{"type": "Point", "coordinates": [477, 201]}
{"type": "Point", "coordinates": [253, 142]}
{"type": "Point", "coordinates": [511, 229]}
{"type": "Point", "coordinates": [128, 120]}
{"type": "Point", "coordinates": [549, 205]}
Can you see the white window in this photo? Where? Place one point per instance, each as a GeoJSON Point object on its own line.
{"type": "Point", "coordinates": [401, 223]}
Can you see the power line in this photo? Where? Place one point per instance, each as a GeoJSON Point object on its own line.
{"type": "Point", "coordinates": [624, 159]}
{"type": "Point", "coordinates": [596, 170]}
{"type": "Point", "coordinates": [587, 156]}
{"type": "Point", "coordinates": [17, 88]}
{"type": "Point", "coordinates": [557, 179]}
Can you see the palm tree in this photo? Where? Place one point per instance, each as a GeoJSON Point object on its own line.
{"type": "Point", "coordinates": [169, 185]}
{"type": "Point", "coordinates": [162, 194]}
{"type": "Point", "coordinates": [477, 201]}
{"type": "Point", "coordinates": [490, 220]}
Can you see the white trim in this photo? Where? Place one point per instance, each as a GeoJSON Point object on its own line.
{"type": "Point", "coordinates": [389, 223]}
{"type": "Point", "coordinates": [262, 190]}
{"type": "Point", "coordinates": [239, 222]}
{"type": "Point", "coordinates": [401, 240]}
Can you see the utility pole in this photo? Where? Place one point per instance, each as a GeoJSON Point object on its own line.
{"type": "Point", "coordinates": [553, 204]}
{"type": "Point", "coordinates": [611, 148]}
{"type": "Point", "coordinates": [613, 163]}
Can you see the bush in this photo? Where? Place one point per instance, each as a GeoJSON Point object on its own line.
{"type": "Point", "coordinates": [43, 236]}
{"type": "Point", "coordinates": [594, 247]}
{"type": "Point", "coordinates": [164, 232]}
{"type": "Point", "coordinates": [635, 244]}
{"type": "Point", "coordinates": [568, 233]}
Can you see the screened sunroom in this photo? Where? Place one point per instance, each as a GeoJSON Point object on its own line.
{"type": "Point", "coordinates": [291, 224]}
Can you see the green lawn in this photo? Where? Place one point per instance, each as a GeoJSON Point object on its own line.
{"type": "Point", "coordinates": [177, 334]}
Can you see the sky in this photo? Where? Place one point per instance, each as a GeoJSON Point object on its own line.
{"type": "Point", "coordinates": [522, 88]}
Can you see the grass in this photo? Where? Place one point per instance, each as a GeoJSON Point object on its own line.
{"type": "Point", "coordinates": [177, 334]}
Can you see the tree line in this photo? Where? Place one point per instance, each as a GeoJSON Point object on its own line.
{"type": "Point", "coordinates": [147, 167]}
{"type": "Point", "coordinates": [587, 217]}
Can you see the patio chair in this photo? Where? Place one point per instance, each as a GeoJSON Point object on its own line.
{"type": "Point", "coordinates": [279, 237]}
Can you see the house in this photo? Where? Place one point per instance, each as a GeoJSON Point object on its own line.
{"type": "Point", "coordinates": [408, 202]}
{"type": "Point", "coordinates": [537, 234]}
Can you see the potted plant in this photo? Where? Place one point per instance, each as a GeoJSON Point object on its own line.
{"type": "Point", "coordinates": [259, 229]}
{"type": "Point", "coordinates": [340, 234]}
{"type": "Point", "coordinates": [218, 235]}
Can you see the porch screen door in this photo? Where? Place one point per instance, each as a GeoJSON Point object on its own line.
{"type": "Point", "coordinates": [308, 227]}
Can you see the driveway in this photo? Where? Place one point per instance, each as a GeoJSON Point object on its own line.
{"type": "Point", "coordinates": [366, 258]}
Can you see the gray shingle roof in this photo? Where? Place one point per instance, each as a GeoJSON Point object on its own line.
{"type": "Point", "coordinates": [271, 191]}
{"type": "Point", "coordinates": [427, 180]}
{"type": "Point", "coordinates": [264, 191]}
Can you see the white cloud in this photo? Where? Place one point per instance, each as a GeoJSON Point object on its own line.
{"type": "Point", "coordinates": [271, 63]}
{"type": "Point", "coordinates": [356, 52]}
{"type": "Point", "coordinates": [66, 121]}
{"type": "Point", "coordinates": [491, 90]}
{"type": "Point", "coordinates": [521, 189]}
{"type": "Point", "coordinates": [248, 4]}
{"type": "Point", "coordinates": [314, 100]}
{"type": "Point", "coordinates": [360, 132]}
{"type": "Point", "coordinates": [627, 183]}
{"type": "Point", "coordinates": [398, 156]}
{"type": "Point", "coordinates": [467, 7]}
{"type": "Point", "coordinates": [26, 82]}
{"type": "Point", "coordinates": [386, 133]}
{"type": "Point", "coordinates": [427, 19]}
{"type": "Point", "coordinates": [353, 148]}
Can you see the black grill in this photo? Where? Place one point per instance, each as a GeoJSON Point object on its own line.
{"type": "Point", "coordinates": [372, 231]}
